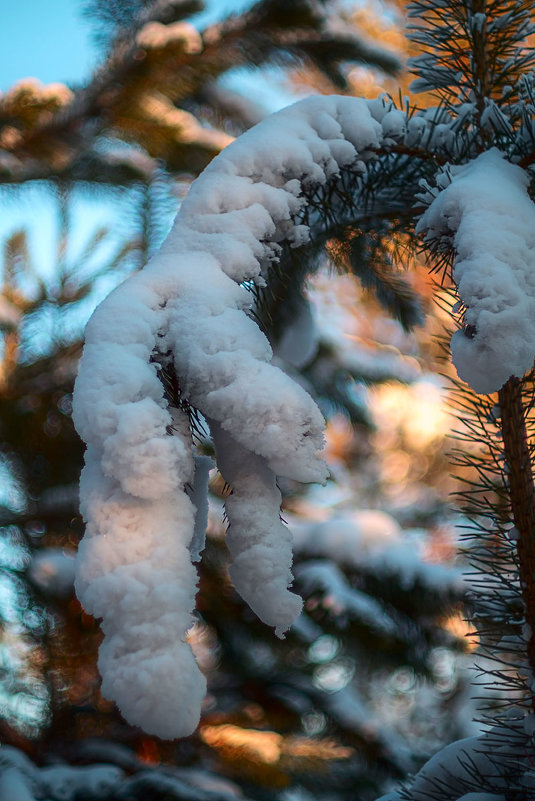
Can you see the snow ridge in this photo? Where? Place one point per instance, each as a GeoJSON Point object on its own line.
{"type": "Point", "coordinates": [188, 308]}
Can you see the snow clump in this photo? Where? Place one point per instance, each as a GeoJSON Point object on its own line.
{"type": "Point", "coordinates": [486, 214]}
{"type": "Point", "coordinates": [188, 313]}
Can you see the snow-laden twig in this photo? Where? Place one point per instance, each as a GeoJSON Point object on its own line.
{"type": "Point", "coordinates": [260, 544]}
{"type": "Point", "coordinates": [485, 213]}
{"type": "Point", "coordinates": [189, 311]}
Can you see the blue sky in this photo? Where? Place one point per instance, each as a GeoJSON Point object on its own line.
{"type": "Point", "coordinates": [51, 40]}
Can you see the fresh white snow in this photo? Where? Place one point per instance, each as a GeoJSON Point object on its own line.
{"type": "Point", "coordinates": [485, 213]}
{"type": "Point", "coordinates": [52, 571]}
{"type": "Point", "coordinates": [458, 771]}
{"type": "Point", "coordinates": [21, 780]}
{"type": "Point", "coordinates": [188, 310]}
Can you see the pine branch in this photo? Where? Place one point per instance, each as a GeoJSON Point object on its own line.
{"type": "Point", "coordinates": [369, 258]}
{"type": "Point", "coordinates": [471, 51]}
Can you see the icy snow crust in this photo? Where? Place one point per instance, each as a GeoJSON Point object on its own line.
{"type": "Point", "coordinates": [486, 213]}
{"type": "Point", "coordinates": [188, 305]}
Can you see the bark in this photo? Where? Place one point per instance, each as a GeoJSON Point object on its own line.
{"type": "Point", "coordinates": [522, 495]}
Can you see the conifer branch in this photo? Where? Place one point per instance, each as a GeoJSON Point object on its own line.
{"type": "Point", "coordinates": [420, 153]}
{"type": "Point", "coordinates": [481, 62]}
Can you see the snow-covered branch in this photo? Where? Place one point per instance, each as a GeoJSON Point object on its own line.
{"type": "Point", "coordinates": [188, 311]}
{"type": "Point", "coordinates": [484, 212]}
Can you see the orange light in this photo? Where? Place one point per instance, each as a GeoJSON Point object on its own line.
{"type": "Point", "coordinates": [148, 752]}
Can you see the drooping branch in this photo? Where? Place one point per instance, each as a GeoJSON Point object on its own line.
{"type": "Point", "coordinates": [189, 310]}
{"type": "Point", "coordinates": [490, 235]}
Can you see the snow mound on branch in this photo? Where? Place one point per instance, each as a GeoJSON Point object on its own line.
{"type": "Point", "coordinates": [21, 780]}
{"type": "Point", "coordinates": [372, 540]}
{"type": "Point", "coordinates": [486, 214]}
{"type": "Point", "coordinates": [260, 544]}
{"type": "Point", "coordinates": [134, 571]}
{"type": "Point", "coordinates": [188, 313]}
{"type": "Point", "coordinates": [473, 769]}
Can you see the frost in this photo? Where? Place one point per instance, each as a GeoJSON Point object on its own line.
{"type": "Point", "coordinates": [488, 217]}
{"type": "Point", "coordinates": [187, 314]}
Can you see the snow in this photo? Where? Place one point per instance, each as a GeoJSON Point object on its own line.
{"type": "Point", "coordinates": [21, 780]}
{"type": "Point", "coordinates": [394, 124]}
{"type": "Point", "coordinates": [103, 780]}
{"type": "Point", "coordinates": [156, 36]}
{"type": "Point", "coordinates": [482, 797]}
{"type": "Point", "coordinates": [354, 713]}
{"type": "Point", "coordinates": [486, 214]}
{"type": "Point", "coordinates": [18, 775]}
{"type": "Point", "coordinates": [66, 783]}
{"type": "Point", "coordinates": [199, 498]}
{"type": "Point", "coordinates": [299, 342]}
{"type": "Point", "coordinates": [342, 600]}
{"type": "Point", "coordinates": [372, 540]}
{"type": "Point", "coordinates": [52, 571]}
{"type": "Point", "coordinates": [458, 770]}
{"type": "Point", "coordinates": [15, 786]}
{"type": "Point", "coordinates": [260, 544]}
{"type": "Point", "coordinates": [188, 311]}
{"type": "Point", "coordinates": [12, 757]}
{"type": "Point", "coordinates": [134, 571]}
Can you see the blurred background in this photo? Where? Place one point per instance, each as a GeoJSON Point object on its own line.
{"type": "Point", "coordinates": [109, 109]}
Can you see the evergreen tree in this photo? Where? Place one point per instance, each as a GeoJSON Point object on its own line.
{"type": "Point", "coordinates": [173, 352]}
{"type": "Point", "coordinates": [92, 137]}
{"type": "Point", "coordinates": [341, 165]}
